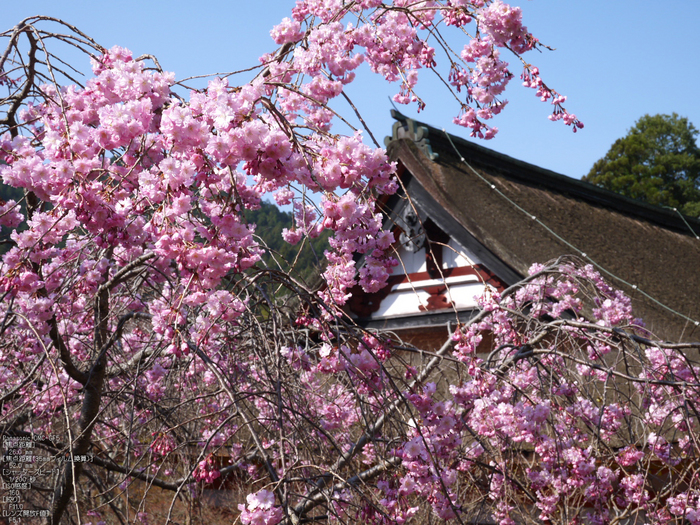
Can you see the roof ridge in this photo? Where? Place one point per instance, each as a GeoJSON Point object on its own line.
{"type": "Point", "coordinates": [429, 138]}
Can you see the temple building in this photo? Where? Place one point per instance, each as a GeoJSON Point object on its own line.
{"type": "Point", "coordinates": [477, 220]}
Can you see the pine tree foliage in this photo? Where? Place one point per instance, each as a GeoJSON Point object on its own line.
{"type": "Point", "coordinates": [658, 162]}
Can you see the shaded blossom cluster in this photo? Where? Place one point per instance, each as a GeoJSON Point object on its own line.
{"type": "Point", "coordinates": [553, 396]}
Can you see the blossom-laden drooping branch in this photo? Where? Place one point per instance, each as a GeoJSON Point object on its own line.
{"type": "Point", "coordinates": [146, 349]}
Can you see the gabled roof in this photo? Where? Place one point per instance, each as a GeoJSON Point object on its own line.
{"type": "Point", "coordinates": [513, 214]}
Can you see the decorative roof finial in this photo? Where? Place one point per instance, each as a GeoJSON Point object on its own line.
{"type": "Point", "coordinates": [406, 128]}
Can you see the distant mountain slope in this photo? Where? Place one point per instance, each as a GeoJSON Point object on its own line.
{"type": "Point", "coordinates": [306, 258]}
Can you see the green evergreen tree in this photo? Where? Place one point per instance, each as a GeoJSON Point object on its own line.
{"type": "Point", "coordinates": [658, 162]}
{"type": "Point", "coordinates": [9, 193]}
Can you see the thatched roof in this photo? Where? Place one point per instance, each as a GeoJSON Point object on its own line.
{"type": "Point", "coordinates": [517, 214]}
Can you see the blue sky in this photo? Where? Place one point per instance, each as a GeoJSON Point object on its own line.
{"type": "Point", "coordinates": [615, 60]}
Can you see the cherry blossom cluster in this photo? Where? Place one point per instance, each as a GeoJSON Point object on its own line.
{"type": "Point", "coordinates": [397, 40]}
{"type": "Point", "coordinates": [260, 509]}
{"type": "Point", "coordinates": [531, 78]}
{"type": "Point", "coordinates": [206, 470]}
